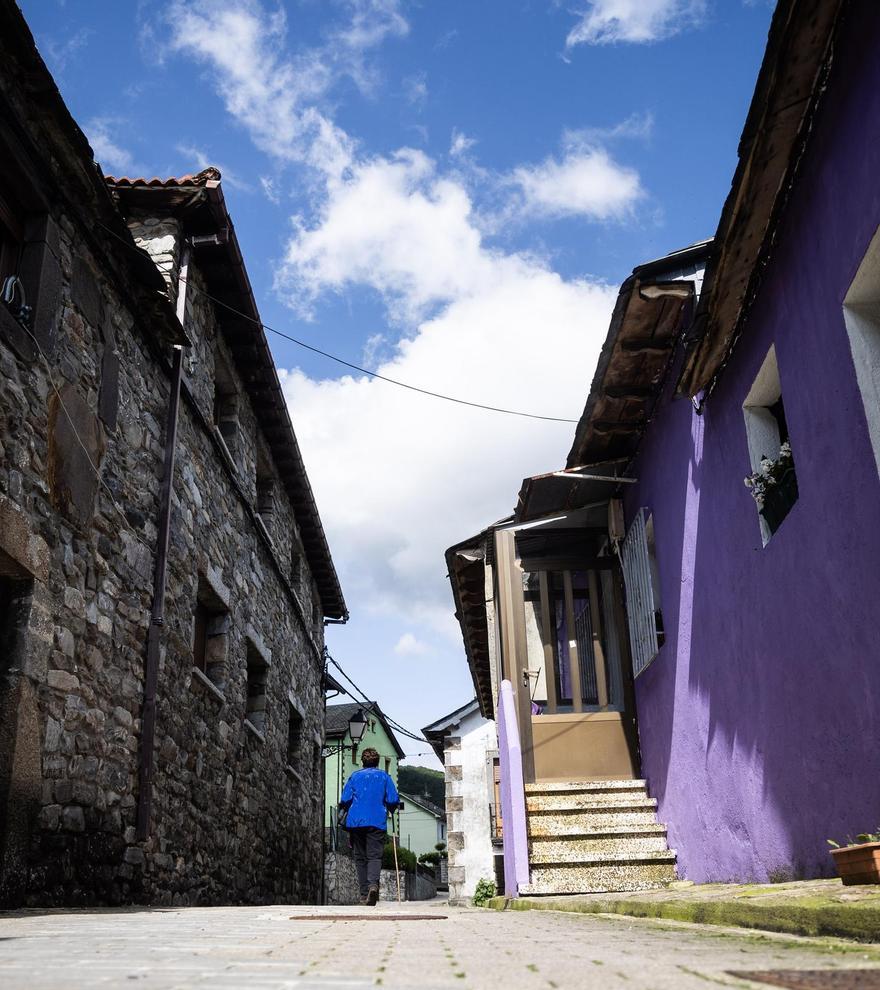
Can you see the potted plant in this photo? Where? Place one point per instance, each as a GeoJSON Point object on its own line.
{"type": "Point", "coordinates": [774, 487]}
{"type": "Point", "coordinates": [859, 860]}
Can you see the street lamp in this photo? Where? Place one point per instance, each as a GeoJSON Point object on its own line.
{"type": "Point", "coordinates": [357, 726]}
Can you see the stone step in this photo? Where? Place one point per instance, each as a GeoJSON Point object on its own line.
{"type": "Point", "coordinates": [584, 786]}
{"type": "Point", "coordinates": [632, 840]}
{"type": "Point", "coordinates": [602, 876]}
{"type": "Point", "coordinates": [582, 801]}
{"type": "Point", "coordinates": [579, 820]}
{"type": "Point", "coordinates": [571, 855]}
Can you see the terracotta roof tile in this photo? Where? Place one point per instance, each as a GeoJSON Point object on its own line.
{"type": "Point", "coordinates": [196, 179]}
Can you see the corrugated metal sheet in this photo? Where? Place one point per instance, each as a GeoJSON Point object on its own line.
{"type": "Point", "coordinates": [639, 595]}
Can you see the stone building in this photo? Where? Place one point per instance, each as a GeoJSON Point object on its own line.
{"type": "Point", "coordinates": [161, 712]}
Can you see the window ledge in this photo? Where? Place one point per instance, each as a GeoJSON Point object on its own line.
{"type": "Point", "coordinates": [249, 725]}
{"type": "Point", "coordinates": [261, 525]}
{"type": "Point", "coordinates": [204, 681]}
{"type": "Point", "coordinates": [288, 769]}
{"type": "Point", "coordinates": [225, 452]}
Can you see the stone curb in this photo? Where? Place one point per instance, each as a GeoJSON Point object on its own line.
{"type": "Point", "coordinates": [842, 921]}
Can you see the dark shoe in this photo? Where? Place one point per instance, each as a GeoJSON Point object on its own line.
{"type": "Point", "coordinates": [373, 895]}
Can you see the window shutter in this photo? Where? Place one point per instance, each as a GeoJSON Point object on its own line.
{"type": "Point", "coordinates": [639, 595]}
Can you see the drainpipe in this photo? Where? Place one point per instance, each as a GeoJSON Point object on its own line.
{"type": "Point", "coordinates": [157, 617]}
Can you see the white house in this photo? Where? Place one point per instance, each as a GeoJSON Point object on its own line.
{"type": "Point", "coordinates": [467, 744]}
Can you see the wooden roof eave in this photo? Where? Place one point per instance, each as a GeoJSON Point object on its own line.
{"type": "Point", "coordinates": [790, 84]}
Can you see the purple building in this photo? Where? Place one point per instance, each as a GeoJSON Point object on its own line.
{"type": "Point", "coordinates": [682, 647]}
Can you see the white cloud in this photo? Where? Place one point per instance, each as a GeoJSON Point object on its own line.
{"type": "Point", "coordinates": [415, 89]}
{"type": "Point", "coordinates": [586, 181]}
{"type": "Point", "coordinates": [199, 160]}
{"type": "Point", "coordinates": [398, 476]}
{"type": "Point", "coordinates": [62, 53]}
{"type": "Point", "coordinates": [410, 645]}
{"type": "Point", "coordinates": [372, 21]}
{"type": "Point", "coordinates": [460, 144]}
{"type": "Point", "coordinates": [634, 21]}
{"type": "Point", "coordinates": [112, 157]}
{"type": "Point", "coordinates": [269, 92]}
{"type": "Point", "coordinates": [270, 189]}
{"type": "Point", "coordinates": [396, 225]}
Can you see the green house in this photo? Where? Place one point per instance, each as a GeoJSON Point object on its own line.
{"type": "Point", "coordinates": [343, 755]}
{"type": "Point", "coordinates": [422, 824]}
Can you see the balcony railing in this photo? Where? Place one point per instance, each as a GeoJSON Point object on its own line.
{"type": "Point", "coordinates": [496, 833]}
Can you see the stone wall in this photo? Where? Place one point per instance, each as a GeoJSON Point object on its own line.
{"type": "Point", "coordinates": [340, 879]}
{"type": "Point", "coordinates": [83, 407]}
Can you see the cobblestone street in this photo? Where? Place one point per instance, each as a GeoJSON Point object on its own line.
{"type": "Point", "coordinates": [300, 947]}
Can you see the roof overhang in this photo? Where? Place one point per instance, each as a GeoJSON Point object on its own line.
{"type": "Point", "coordinates": [790, 84]}
{"type": "Point", "coordinates": [198, 202]}
{"type": "Point", "coordinates": [437, 732]}
{"type": "Point", "coordinates": [466, 562]}
{"type": "Point", "coordinates": [633, 364]}
{"type": "Point", "coordinates": [570, 489]}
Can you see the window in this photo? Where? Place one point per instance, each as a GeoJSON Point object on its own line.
{"type": "Point", "coordinates": [641, 606]}
{"type": "Point", "coordinates": [257, 679]}
{"type": "Point", "coordinates": [225, 403]}
{"type": "Point", "coordinates": [655, 579]}
{"type": "Point", "coordinates": [294, 739]}
{"type": "Point", "coordinates": [211, 625]}
{"type": "Point", "coordinates": [296, 567]}
{"type": "Point", "coordinates": [387, 764]}
{"type": "Point", "coordinates": [772, 481]}
{"type": "Point", "coordinates": [861, 313]}
{"type": "Point", "coordinates": [265, 488]}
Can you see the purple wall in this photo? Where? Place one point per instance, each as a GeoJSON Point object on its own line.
{"type": "Point", "coordinates": [758, 720]}
{"type": "Point", "coordinates": [513, 799]}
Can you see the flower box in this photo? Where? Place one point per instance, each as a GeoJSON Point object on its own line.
{"type": "Point", "coordinates": [858, 863]}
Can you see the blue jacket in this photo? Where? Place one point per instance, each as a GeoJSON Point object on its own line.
{"type": "Point", "coordinates": [369, 794]}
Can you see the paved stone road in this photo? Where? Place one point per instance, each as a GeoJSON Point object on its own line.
{"type": "Point", "coordinates": [288, 947]}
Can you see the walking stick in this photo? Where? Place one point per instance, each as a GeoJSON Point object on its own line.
{"type": "Point", "coordinates": [394, 844]}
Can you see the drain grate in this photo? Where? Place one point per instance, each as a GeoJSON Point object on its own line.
{"type": "Point", "coordinates": [374, 917]}
{"type": "Point", "coordinates": [815, 979]}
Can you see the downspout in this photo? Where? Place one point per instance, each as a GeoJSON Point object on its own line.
{"type": "Point", "coordinates": [160, 579]}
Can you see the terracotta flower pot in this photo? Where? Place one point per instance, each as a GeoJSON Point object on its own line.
{"type": "Point", "coordinates": [858, 864]}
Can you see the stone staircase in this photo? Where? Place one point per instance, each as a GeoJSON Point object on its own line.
{"type": "Point", "coordinates": [594, 836]}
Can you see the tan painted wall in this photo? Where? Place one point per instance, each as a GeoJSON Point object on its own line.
{"type": "Point", "coordinates": [586, 746]}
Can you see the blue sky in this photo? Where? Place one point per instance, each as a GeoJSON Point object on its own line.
{"type": "Point", "coordinates": [448, 191]}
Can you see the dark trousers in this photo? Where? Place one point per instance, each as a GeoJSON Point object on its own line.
{"type": "Point", "coordinates": [367, 843]}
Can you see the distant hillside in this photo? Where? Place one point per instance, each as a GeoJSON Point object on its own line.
{"type": "Point", "coordinates": [423, 781]}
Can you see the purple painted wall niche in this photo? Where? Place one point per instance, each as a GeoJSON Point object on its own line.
{"type": "Point", "coordinates": [759, 718]}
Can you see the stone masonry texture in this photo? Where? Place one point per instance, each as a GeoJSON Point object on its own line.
{"type": "Point", "coordinates": [236, 812]}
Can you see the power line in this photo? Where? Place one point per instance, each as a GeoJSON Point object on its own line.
{"type": "Point", "coordinates": [355, 367]}
{"type": "Point", "coordinates": [365, 700]}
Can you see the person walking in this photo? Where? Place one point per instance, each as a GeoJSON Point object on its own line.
{"type": "Point", "coordinates": [368, 797]}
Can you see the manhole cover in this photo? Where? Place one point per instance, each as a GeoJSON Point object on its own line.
{"type": "Point", "coordinates": [815, 979]}
{"type": "Point", "coordinates": [374, 917]}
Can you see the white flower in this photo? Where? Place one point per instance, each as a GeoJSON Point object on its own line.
{"type": "Point", "coordinates": [766, 466]}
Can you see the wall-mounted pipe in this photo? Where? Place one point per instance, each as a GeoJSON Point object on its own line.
{"type": "Point", "coordinates": [157, 617]}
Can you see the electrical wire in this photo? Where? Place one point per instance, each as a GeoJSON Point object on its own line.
{"type": "Point", "coordinates": [365, 700]}
{"type": "Point", "coordinates": [349, 364]}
